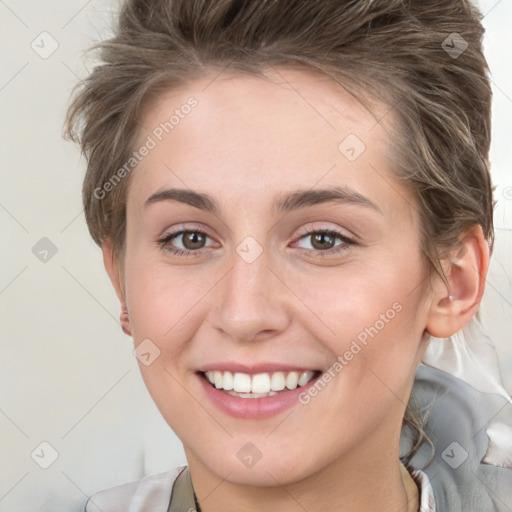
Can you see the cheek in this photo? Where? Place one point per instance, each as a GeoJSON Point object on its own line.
{"type": "Point", "coordinates": [347, 303]}
{"type": "Point", "coordinates": [162, 298]}
{"type": "Point", "coordinates": [350, 301]}
{"type": "Point", "coordinates": [374, 321]}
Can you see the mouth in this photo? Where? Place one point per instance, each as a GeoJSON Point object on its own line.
{"type": "Point", "coordinates": [259, 385]}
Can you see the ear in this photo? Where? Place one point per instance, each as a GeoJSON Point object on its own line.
{"type": "Point", "coordinates": [466, 271]}
{"type": "Point", "coordinates": [113, 271]}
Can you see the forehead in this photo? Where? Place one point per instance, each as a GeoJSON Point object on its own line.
{"type": "Point", "coordinates": [255, 132]}
{"type": "Point", "coordinates": [276, 100]}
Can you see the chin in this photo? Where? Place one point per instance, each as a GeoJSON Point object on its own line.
{"type": "Point", "coordinates": [265, 472]}
{"type": "Point", "coordinates": [262, 476]}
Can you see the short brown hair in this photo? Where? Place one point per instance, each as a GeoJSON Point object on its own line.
{"type": "Point", "coordinates": [392, 50]}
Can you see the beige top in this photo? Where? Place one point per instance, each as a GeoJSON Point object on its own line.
{"type": "Point", "coordinates": [172, 491]}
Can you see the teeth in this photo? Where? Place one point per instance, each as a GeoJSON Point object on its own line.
{"type": "Point", "coordinates": [260, 384]}
{"type": "Point", "coordinates": [227, 380]}
{"type": "Point", "coordinates": [278, 381]}
{"type": "Point", "coordinates": [242, 383]}
{"type": "Point", "coordinates": [218, 380]}
{"type": "Point", "coordinates": [292, 379]}
{"type": "Point", "coordinates": [304, 378]}
{"type": "Point", "coordinates": [251, 395]}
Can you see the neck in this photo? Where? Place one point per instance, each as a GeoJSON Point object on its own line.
{"type": "Point", "coordinates": [347, 484]}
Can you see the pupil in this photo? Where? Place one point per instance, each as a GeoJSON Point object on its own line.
{"type": "Point", "coordinates": [321, 238]}
{"type": "Point", "coordinates": [193, 240]}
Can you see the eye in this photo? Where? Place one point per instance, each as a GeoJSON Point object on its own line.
{"type": "Point", "coordinates": [323, 242]}
{"type": "Point", "coordinates": [191, 240]}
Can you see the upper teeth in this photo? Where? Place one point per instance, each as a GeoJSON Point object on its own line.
{"type": "Point", "coordinates": [260, 382]}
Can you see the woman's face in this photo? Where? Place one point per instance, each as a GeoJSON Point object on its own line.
{"type": "Point", "coordinates": [257, 286]}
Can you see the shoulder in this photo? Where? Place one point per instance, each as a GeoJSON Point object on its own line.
{"type": "Point", "coordinates": [469, 458]}
{"type": "Point", "coordinates": [151, 493]}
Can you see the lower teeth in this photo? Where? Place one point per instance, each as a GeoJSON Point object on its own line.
{"type": "Point", "coordinates": [251, 395]}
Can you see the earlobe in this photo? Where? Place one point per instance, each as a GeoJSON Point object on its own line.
{"type": "Point", "coordinates": [125, 320]}
{"type": "Point", "coordinates": [466, 271]}
{"type": "Point", "coordinates": [112, 267]}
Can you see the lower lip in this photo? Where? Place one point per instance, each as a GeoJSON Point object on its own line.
{"type": "Point", "coordinates": [253, 408]}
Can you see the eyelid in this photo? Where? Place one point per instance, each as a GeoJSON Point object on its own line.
{"type": "Point", "coordinates": [332, 251]}
{"type": "Point", "coordinates": [323, 228]}
{"type": "Point", "coordinates": [186, 227]}
{"type": "Point", "coordinates": [180, 231]}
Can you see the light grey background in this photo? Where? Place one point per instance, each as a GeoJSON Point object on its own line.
{"type": "Point", "coordinates": [68, 376]}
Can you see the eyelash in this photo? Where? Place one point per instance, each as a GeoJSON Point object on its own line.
{"type": "Point", "coordinates": [347, 242]}
{"type": "Point", "coordinates": [164, 243]}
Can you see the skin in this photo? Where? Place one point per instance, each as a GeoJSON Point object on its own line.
{"type": "Point", "coordinates": [248, 141]}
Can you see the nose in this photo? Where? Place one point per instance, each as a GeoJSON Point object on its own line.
{"type": "Point", "coordinates": [252, 302]}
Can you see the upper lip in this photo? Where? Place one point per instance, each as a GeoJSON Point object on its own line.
{"type": "Point", "coordinates": [252, 369]}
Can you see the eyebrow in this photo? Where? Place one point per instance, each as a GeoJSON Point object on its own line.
{"type": "Point", "coordinates": [283, 203]}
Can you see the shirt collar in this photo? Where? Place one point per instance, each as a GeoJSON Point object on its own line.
{"type": "Point", "coordinates": [182, 497]}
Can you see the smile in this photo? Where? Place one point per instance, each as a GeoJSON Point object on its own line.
{"type": "Point", "coordinates": [260, 385]}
